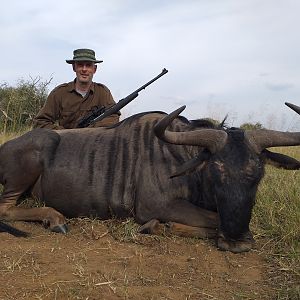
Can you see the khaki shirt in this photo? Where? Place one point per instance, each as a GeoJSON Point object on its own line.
{"type": "Point", "coordinates": [65, 107]}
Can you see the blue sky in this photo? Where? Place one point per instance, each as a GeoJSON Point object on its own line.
{"type": "Point", "coordinates": [223, 56]}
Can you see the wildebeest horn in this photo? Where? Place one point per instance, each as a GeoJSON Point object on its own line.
{"type": "Point", "coordinates": [263, 138]}
{"type": "Point", "coordinates": [211, 139]}
{"type": "Point", "coordinates": [293, 107]}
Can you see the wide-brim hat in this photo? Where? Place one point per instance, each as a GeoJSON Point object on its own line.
{"type": "Point", "coordinates": [83, 55]}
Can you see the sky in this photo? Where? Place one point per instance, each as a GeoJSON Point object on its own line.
{"type": "Point", "coordinates": [240, 58]}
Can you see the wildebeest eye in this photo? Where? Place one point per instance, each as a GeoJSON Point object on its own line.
{"type": "Point", "coordinates": [253, 170]}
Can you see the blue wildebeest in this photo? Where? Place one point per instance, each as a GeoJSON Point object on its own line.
{"type": "Point", "coordinates": [192, 178]}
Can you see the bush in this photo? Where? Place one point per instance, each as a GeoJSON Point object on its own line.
{"type": "Point", "coordinates": [251, 126]}
{"type": "Point", "coordinates": [19, 105]}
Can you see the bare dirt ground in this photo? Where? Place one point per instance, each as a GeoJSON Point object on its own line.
{"type": "Point", "coordinates": [109, 260]}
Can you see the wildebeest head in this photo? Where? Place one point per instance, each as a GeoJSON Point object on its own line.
{"type": "Point", "coordinates": [231, 162]}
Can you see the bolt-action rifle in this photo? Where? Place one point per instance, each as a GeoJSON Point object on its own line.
{"type": "Point", "coordinates": [99, 113]}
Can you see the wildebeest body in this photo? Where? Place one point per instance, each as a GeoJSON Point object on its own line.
{"type": "Point", "coordinates": [125, 171]}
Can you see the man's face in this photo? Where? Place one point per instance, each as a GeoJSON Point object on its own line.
{"type": "Point", "coordinates": [85, 71]}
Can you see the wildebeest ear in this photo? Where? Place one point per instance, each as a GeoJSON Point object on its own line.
{"type": "Point", "coordinates": [191, 164]}
{"type": "Point", "coordinates": [280, 160]}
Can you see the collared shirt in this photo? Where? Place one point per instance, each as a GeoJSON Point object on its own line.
{"type": "Point", "coordinates": [64, 106]}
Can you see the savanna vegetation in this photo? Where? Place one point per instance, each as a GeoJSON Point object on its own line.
{"type": "Point", "coordinates": [19, 104]}
{"type": "Point", "coordinates": [276, 222]}
{"type": "Point", "coordinates": [276, 217]}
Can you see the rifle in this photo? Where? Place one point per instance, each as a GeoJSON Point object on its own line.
{"type": "Point", "coordinates": [293, 107]}
{"type": "Point", "coordinates": [99, 113]}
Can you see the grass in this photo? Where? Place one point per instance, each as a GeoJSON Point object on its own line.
{"type": "Point", "coordinates": [275, 223]}
{"type": "Point", "coordinates": [4, 137]}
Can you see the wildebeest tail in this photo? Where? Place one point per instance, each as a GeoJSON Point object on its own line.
{"type": "Point", "coordinates": [12, 230]}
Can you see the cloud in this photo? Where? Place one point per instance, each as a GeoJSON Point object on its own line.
{"type": "Point", "coordinates": [279, 86]}
{"type": "Point", "coordinates": [240, 54]}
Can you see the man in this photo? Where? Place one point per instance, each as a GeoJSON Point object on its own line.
{"type": "Point", "coordinates": [69, 102]}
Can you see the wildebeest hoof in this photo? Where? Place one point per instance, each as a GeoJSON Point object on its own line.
{"type": "Point", "coordinates": [46, 224]}
{"type": "Point", "coordinates": [150, 227]}
{"type": "Point", "coordinates": [243, 244]}
{"type": "Point", "coordinates": [60, 229]}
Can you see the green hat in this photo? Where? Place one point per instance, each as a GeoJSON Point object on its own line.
{"type": "Point", "coordinates": [83, 55]}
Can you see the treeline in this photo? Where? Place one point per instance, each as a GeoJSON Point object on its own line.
{"type": "Point", "coordinates": [20, 104]}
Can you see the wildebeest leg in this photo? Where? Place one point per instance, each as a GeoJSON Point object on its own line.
{"type": "Point", "coordinates": [184, 212]}
{"type": "Point", "coordinates": [9, 211]}
{"type": "Point", "coordinates": [155, 227]}
{"type": "Point", "coordinates": [190, 231]}
{"type": "Point", "coordinates": [22, 163]}
{"type": "Point", "coordinates": [187, 213]}
{"type": "Point", "coordinates": [183, 218]}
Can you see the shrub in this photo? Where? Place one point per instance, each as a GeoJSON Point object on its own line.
{"type": "Point", "coordinates": [251, 126]}
{"type": "Point", "coordinates": [19, 105]}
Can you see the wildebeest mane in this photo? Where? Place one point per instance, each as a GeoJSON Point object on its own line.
{"type": "Point", "coordinates": [208, 123]}
{"type": "Point", "coordinates": [131, 119]}
{"type": "Point", "coordinates": [195, 124]}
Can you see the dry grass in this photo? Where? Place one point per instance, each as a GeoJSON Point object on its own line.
{"type": "Point", "coordinates": [4, 137]}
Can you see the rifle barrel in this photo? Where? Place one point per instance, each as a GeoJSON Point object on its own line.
{"type": "Point", "coordinates": [118, 106]}
{"type": "Point", "coordinates": [293, 107]}
{"type": "Point", "coordinates": [163, 72]}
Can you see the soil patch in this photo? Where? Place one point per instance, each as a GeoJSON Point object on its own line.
{"type": "Point", "coordinates": [95, 261]}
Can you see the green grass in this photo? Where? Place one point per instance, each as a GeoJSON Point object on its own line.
{"type": "Point", "coordinates": [276, 223]}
